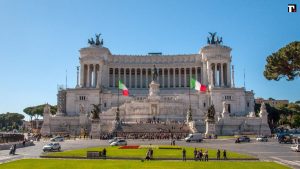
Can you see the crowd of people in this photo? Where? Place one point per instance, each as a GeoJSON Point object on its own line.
{"type": "Point", "coordinates": [152, 135]}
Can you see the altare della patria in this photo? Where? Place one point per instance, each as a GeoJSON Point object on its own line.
{"type": "Point", "coordinates": [155, 93]}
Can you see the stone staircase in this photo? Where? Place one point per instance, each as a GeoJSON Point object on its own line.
{"type": "Point", "coordinates": [155, 128]}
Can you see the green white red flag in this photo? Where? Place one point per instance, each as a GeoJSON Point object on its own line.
{"type": "Point", "coordinates": [123, 88]}
{"type": "Point", "coordinates": [194, 84]}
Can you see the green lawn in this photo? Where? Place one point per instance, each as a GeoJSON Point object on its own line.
{"type": "Point", "coordinates": [141, 153]}
{"type": "Point", "coordinates": [130, 164]}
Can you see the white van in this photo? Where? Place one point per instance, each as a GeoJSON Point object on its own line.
{"type": "Point", "coordinates": [194, 137]}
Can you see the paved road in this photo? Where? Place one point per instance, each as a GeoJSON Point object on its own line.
{"type": "Point", "coordinates": [270, 151]}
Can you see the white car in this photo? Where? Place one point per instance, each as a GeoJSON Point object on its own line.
{"type": "Point", "coordinates": [121, 142]}
{"type": "Point", "coordinates": [52, 147]}
{"type": "Point", "coordinates": [57, 139]}
{"type": "Point", "coordinates": [262, 138]}
{"type": "Point", "coordinates": [115, 139]}
{"type": "Point", "coordinates": [295, 147]}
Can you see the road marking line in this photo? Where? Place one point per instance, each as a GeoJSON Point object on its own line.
{"type": "Point", "coordinates": [287, 161]}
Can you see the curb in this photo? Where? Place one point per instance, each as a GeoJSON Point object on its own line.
{"type": "Point", "coordinates": [135, 158]}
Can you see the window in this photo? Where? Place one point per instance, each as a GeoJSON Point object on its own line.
{"type": "Point", "coordinates": [248, 104]}
{"type": "Point", "coordinates": [105, 104]}
{"type": "Point", "coordinates": [204, 104]}
{"type": "Point", "coordinates": [227, 97]}
{"type": "Point", "coordinates": [82, 97]}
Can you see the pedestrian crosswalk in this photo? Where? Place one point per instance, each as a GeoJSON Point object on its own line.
{"type": "Point", "coordinates": [288, 162]}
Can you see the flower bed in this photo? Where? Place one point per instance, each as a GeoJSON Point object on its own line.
{"type": "Point", "coordinates": [129, 147]}
{"type": "Point", "coordinates": [148, 146]}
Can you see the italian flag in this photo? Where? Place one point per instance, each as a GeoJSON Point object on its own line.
{"type": "Point", "coordinates": [123, 88]}
{"type": "Point", "coordinates": [194, 84]}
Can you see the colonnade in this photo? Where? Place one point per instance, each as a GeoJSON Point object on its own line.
{"type": "Point", "coordinates": [90, 75]}
{"type": "Point", "coordinates": [141, 77]}
{"type": "Point", "coordinates": [220, 73]}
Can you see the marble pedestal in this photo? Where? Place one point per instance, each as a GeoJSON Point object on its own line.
{"type": "Point", "coordinates": [210, 128]}
{"type": "Point", "coordinates": [95, 128]}
{"type": "Point", "coordinates": [154, 91]}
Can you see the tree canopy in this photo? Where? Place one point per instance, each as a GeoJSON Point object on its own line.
{"type": "Point", "coordinates": [36, 111]}
{"type": "Point", "coordinates": [10, 120]}
{"type": "Point", "coordinates": [284, 63]}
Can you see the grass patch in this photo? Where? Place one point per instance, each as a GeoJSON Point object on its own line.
{"type": "Point", "coordinates": [122, 164]}
{"type": "Point", "coordinates": [141, 152]}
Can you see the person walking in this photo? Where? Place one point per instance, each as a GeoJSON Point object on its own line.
{"type": "Point", "coordinates": [218, 154]}
{"type": "Point", "coordinates": [200, 155]}
{"type": "Point", "coordinates": [104, 153]}
{"type": "Point", "coordinates": [224, 155]}
{"type": "Point", "coordinates": [206, 156]}
{"type": "Point", "coordinates": [183, 154]}
{"type": "Point", "coordinates": [195, 154]}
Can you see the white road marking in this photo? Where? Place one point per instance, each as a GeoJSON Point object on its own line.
{"type": "Point", "coordinates": [287, 161]}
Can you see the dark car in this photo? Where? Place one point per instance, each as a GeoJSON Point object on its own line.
{"type": "Point", "coordinates": [285, 139]}
{"type": "Point", "coordinates": [242, 139]}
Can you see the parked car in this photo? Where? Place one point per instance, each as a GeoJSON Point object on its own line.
{"type": "Point", "coordinates": [285, 139]}
{"type": "Point", "coordinates": [121, 142]}
{"type": "Point", "coordinates": [295, 147]}
{"type": "Point", "coordinates": [262, 138]}
{"type": "Point", "coordinates": [115, 139]}
{"type": "Point", "coordinates": [194, 137]}
{"type": "Point", "coordinates": [52, 147]}
{"type": "Point", "coordinates": [242, 139]}
{"type": "Point", "coordinates": [57, 139]}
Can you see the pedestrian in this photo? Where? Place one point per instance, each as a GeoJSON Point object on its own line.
{"type": "Point", "coordinates": [200, 154]}
{"type": "Point", "coordinates": [104, 153]}
{"type": "Point", "coordinates": [148, 155]}
{"type": "Point", "coordinates": [224, 155]}
{"type": "Point", "coordinates": [218, 154]}
{"type": "Point", "coordinates": [151, 153]}
{"type": "Point", "coordinates": [206, 156]}
{"type": "Point", "coordinates": [183, 154]}
{"type": "Point", "coordinates": [11, 150]}
{"type": "Point", "coordinates": [24, 143]}
{"type": "Point", "coordinates": [195, 154]}
{"type": "Point", "coordinates": [14, 150]}
{"type": "Point", "coordinates": [173, 142]}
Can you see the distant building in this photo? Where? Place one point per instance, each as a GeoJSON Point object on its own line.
{"type": "Point", "coordinates": [271, 102]}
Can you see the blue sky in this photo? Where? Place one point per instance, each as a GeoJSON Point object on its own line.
{"type": "Point", "coordinates": [39, 40]}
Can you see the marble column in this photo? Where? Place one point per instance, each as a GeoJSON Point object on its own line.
{"type": "Point", "coordinates": [222, 78]}
{"type": "Point", "coordinates": [168, 78]}
{"type": "Point", "coordinates": [135, 78]}
{"type": "Point", "coordinates": [124, 76]}
{"type": "Point", "coordinates": [130, 78]}
{"type": "Point", "coordinates": [163, 78]}
{"type": "Point", "coordinates": [179, 77]}
{"type": "Point", "coordinates": [114, 78]}
{"type": "Point", "coordinates": [228, 74]}
{"type": "Point", "coordinates": [147, 80]}
{"type": "Point", "coordinates": [82, 75]}
{"type": "Point", "coordinates": [215, 75]}
{"type": "Point", "coordinates": [174, 76]}
{"type": "Point", "coordinates": [119, 76]}
{"type": "Point", "coordinates": [196, 73]}
{"type": "Point", "coordinates": [184, 77]}
{"type": "Point", "coordinates": [141, 78]}
{"type": "Point", "coordinates": [88, 76]}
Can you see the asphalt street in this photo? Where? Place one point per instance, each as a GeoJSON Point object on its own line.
{"type": "Point", "coordinates": [268, 151]}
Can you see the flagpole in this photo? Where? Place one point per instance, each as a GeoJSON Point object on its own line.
{"type": "Point", "coordinates": [118, 94]}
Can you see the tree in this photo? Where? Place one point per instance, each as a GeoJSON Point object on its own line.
{"type": "Point", "coordinates": [36, 111]}
{"type": "Point", "coordinates": [11, 120]}
{"type": "Point", "coordinates": [284, 63]}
